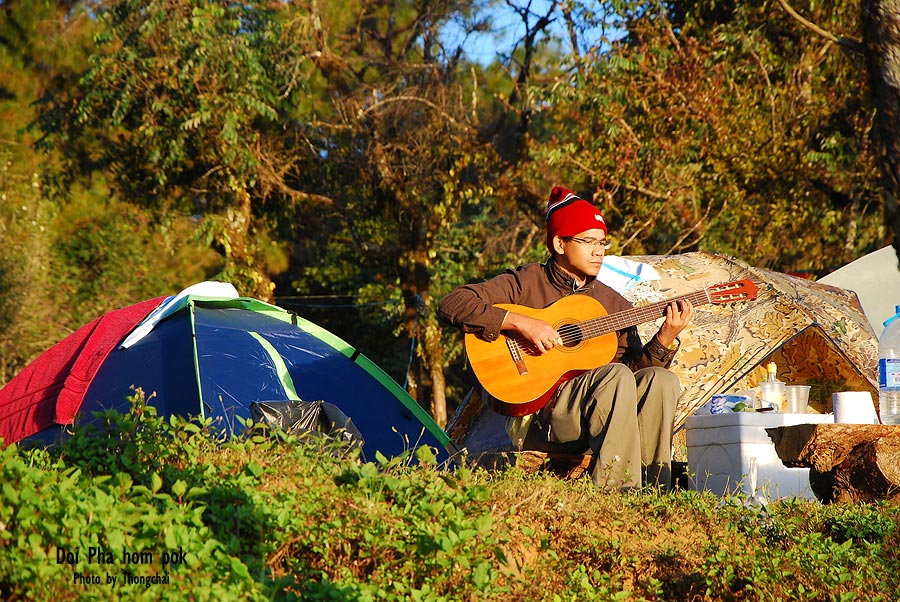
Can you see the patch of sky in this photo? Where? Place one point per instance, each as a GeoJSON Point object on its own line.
{"type": "Point", "coordinates": [493, 28]}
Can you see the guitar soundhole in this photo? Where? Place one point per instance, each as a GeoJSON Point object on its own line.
{"type": "Point", "coordinates": [572, 335]}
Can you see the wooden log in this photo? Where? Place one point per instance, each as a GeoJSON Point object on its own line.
{"type": "Point", "coordinates": [848, 462]}
{"type": "Point", "coordinates": [870, 472]}
{"type": "Point", "coordinates": [824, 446]}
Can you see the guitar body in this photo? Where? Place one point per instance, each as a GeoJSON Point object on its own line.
{"type": "Point", "coordinates": [526, 393]}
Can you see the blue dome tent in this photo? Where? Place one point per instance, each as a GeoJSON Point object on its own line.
{"type": "Point", "coordinates": [214, 357]}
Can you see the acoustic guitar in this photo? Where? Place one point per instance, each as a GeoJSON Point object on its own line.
{"type": "Point", "coordinates": [520, 379]}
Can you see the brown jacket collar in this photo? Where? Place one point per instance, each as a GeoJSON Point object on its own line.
{"type": "Point", "coordinates": [562, 280]}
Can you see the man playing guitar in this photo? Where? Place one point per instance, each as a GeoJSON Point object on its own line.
{"type": "Point", "coordinates": [622, 411]}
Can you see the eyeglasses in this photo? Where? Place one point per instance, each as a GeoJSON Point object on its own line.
{"type": "Point", "coordinates": [593, 243]}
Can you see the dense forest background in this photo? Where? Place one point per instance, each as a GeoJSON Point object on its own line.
{"type": "Point", "coordinates": [353, 161]}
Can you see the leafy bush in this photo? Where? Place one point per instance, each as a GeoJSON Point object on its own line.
{"type": "Point", "coordinates": [141, 507]}
{"type": "Point", "coordinates": [124, 505]}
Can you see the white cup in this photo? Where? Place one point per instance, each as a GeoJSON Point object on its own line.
{"type": "Point", "coordinates": [853, 407]}
{"type": "Point", "coordinates": [797, 398]}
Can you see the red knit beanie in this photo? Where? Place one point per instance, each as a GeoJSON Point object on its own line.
{"type": "Point", "coordinates": [568, 215]}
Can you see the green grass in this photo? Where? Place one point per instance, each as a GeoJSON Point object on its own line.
{"type": "Point", "coordinates": [271, 517]}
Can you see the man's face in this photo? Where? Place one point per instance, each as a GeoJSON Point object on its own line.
{"type": "Point", "coordinates": [581, 255]}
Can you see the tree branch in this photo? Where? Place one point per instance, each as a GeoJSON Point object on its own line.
{"type": "Point", "coordinates": [846, 43]}
{"type": "Point", "coordinates": [448, 118]}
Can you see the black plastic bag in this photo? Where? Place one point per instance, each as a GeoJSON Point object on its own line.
{"type": "Point", "coordinates": [308, 418]}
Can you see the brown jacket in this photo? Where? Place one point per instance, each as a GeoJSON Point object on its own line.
{"type": "Point", "coordinates": [471, 307]}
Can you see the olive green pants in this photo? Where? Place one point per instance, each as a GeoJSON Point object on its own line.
{"type": "Point", "coordinates": [625, 418]}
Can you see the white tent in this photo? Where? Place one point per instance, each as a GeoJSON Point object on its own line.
{"type": "Point", "coordinates": [875, 278]}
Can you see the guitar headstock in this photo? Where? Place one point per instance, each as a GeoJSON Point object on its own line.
{"type": "Point", "coordinates": [728, 292]}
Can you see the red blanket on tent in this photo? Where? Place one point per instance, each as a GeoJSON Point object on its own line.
{"type": "Point", "coordinates": [50, 389]}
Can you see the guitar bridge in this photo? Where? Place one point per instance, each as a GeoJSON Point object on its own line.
{"type": "Point", "coordinates": [515, 353]}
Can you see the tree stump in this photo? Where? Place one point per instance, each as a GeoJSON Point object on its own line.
{"type": "Point", "coordinates": [847, 462]}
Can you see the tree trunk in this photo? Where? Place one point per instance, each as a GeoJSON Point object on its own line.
{"type": "Point", "coordinates": [880, 24]}
{"type": "Point", "coordinates": [434, 360]}
{"type": "Point", "coordinates": [426, 383]}
{"type": "Point", "coordinates": [411, 314]}
{"type": "Point", "coordinates": [241, 262]}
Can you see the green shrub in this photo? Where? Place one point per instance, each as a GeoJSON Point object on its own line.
{"type": "Point", "coordinates": [140, 507]}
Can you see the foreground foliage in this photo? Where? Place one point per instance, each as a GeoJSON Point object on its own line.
{"type": "Point", "coordinates": [189, 516]}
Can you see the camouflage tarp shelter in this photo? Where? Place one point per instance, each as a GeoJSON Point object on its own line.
{"type": "Point", "coordinates": [815, 333]}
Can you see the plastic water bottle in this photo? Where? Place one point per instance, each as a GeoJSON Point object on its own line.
{"type": "Point", "coordinates": [889, 371]}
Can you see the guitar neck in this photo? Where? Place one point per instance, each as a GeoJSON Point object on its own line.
{"type": "Point", "coordinates": [596, 327]}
